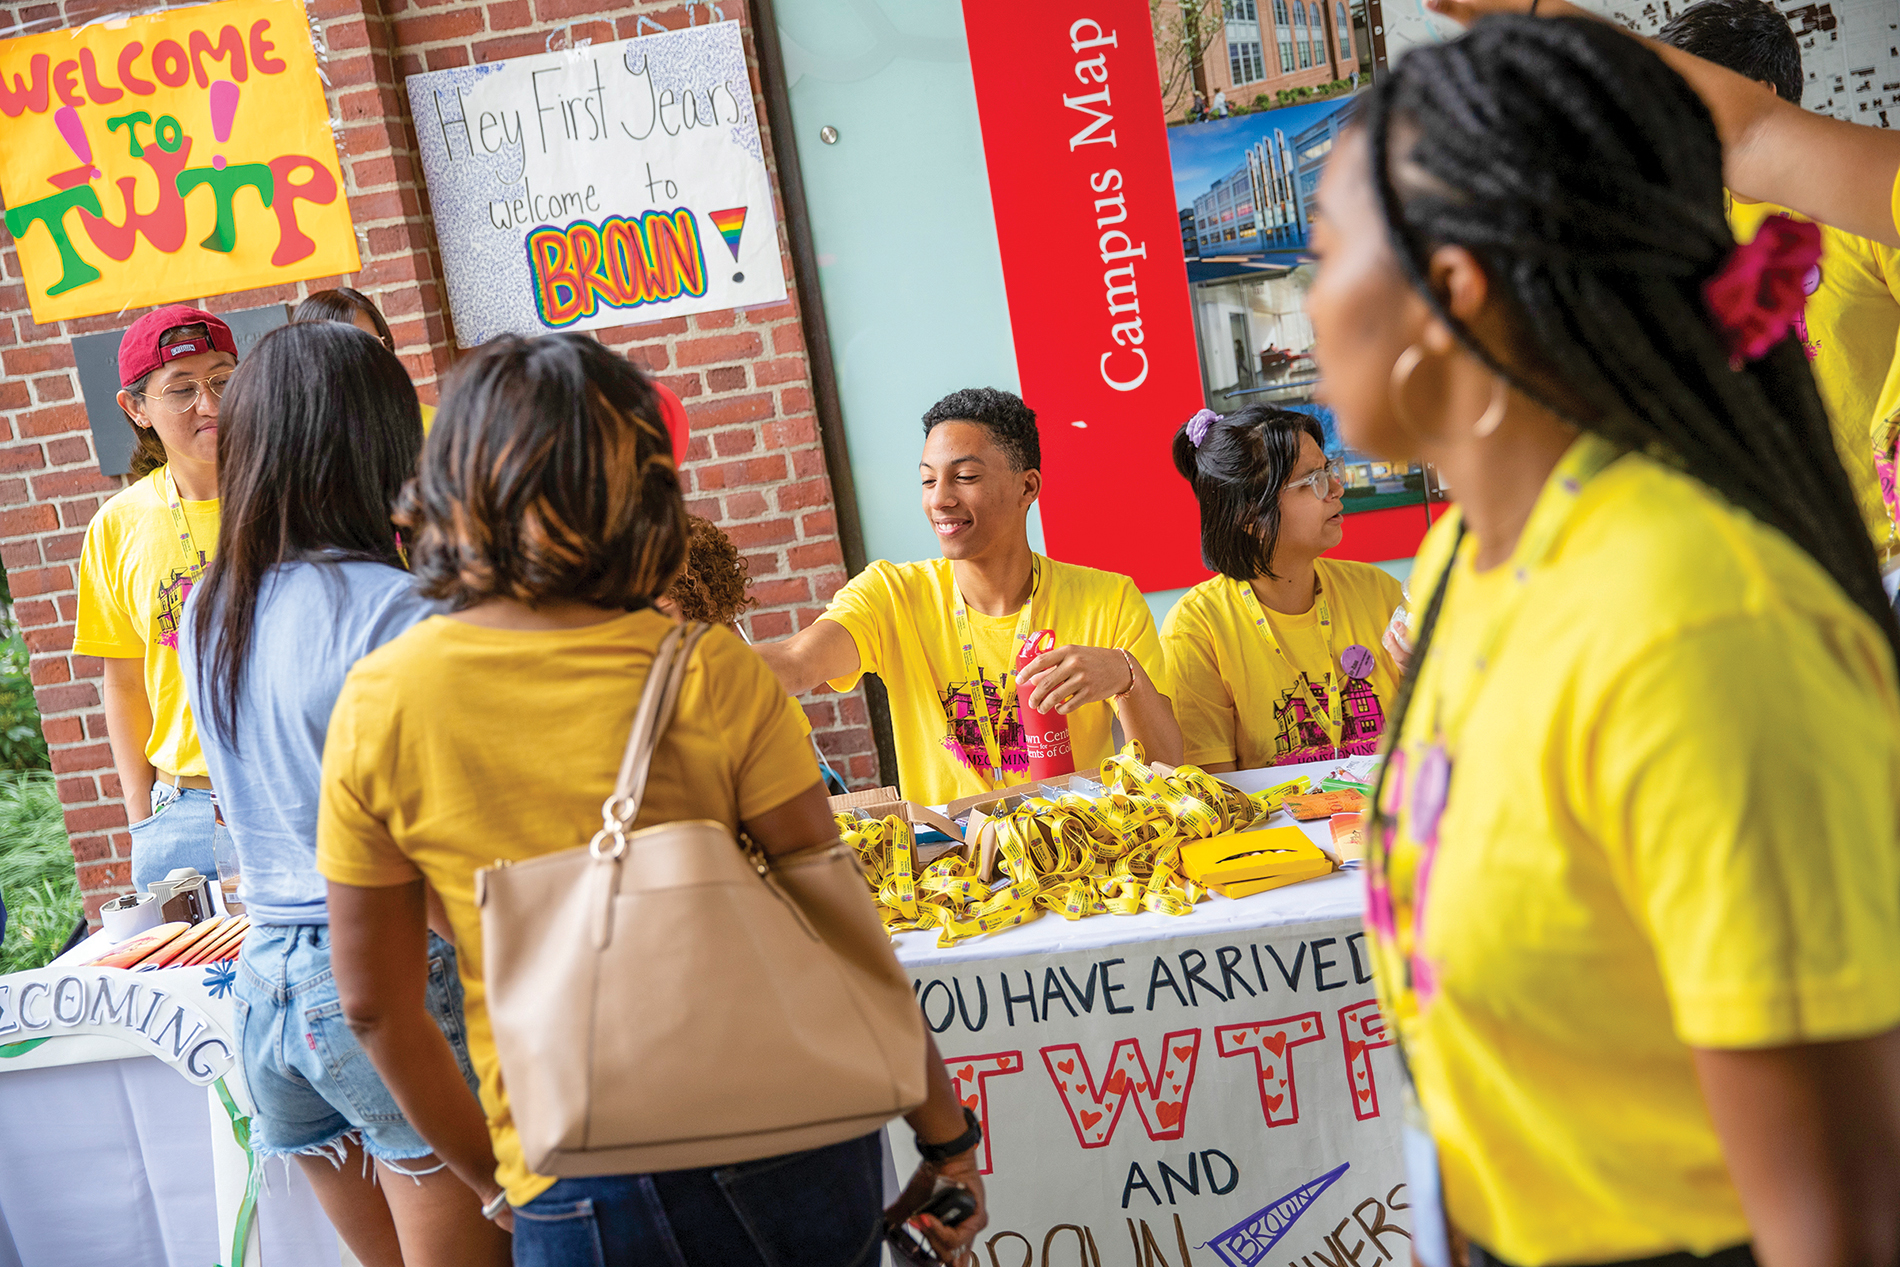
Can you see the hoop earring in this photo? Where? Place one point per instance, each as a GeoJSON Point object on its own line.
{"type": "Point", "coordinates": [1408, 363]}
{"type": "Point", "coordinates": [1402, 370]}
{"type": "Point", "coordinates": [1493, 414]}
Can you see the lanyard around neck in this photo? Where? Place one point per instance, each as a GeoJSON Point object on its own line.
{"type": "Point", "coordinates": [1006, 677]}
{"type": "Point", "coordinates": [194, 562]}
{"type": "Point", "coordinates": [1330, 712]}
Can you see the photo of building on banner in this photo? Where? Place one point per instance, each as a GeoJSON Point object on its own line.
{"type": "Point", "coordinates": [599, 186]}
{"type": "Point", "coordinates": [181, 153]}
{"type": "Point", "coordinates": [1244, 188]}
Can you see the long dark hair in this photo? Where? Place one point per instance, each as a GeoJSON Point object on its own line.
{"type": "Point", "coordinates": [1586, 177]}
{"type": "Point", "coordinates": [1237, 473]}
{"type": "Point", "coordinates": [548, 476]}
{"type": "Point", "coordinates": [342, 304]}
{"type": "Point", "coordinates": [319, 430]}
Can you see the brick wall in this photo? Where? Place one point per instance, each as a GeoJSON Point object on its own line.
{"type": "Point", "coordinates": [755, 463]}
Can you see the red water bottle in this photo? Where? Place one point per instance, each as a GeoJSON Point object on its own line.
{"type": "Point", "coordinates": [1045, 735]}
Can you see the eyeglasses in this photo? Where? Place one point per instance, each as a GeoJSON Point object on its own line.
{"type": "Point", "coordinates": [182, 396]}
{"type": "Point", "coordinates": [1320, 481]}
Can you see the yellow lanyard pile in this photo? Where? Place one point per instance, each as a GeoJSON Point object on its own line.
{"type": "Point", "coordinates": [1116, 854]}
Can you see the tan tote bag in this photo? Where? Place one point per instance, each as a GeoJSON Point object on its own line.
{"type": "Point", "coordinates": [664, 999]}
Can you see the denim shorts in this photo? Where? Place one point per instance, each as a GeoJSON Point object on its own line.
{"type": "Point", "coordinates": [179, 833]}
{"type": "Point", "coordinates": [311, 1081]}
{"type": "Point", "coordinates": [819, 1208]}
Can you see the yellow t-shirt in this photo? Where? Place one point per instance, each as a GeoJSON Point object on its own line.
{"type": "Point", "coordinates": [1850, 329]}
{"type": "Point", "coordinates": [428, 417]}
{"type": "Point", "coordinates": [1670, 824]}
{"type": "Point", "coordinates": [1239, 700]}
{"type": "Point", "coordinates": [133, 579]}
{"type": "Point", "coordinates": [454, 745]}
{"type": "Point", "coordinates": [899, 615]}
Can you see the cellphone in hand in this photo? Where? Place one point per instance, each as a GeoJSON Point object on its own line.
{"type": "Point", "coordinates": [950, 1204]}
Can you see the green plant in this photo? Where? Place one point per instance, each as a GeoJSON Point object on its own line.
{"type": "Point", "coordinates": [22, 743]}
{"type": "Point", "coordinates": [37, 877]}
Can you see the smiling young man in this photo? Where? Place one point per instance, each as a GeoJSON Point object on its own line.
{"type": "Point", "coordinates": [143, 550]}
{"type": "Point", "coordinates": [981, 473]}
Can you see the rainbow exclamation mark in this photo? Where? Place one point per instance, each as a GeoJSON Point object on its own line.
{"type": "Point", "coordinates": [67, 120]}
{"type": "Point", "coordinates": [730, 223]}
{"type": "Point", "coordinates": [224, 103]}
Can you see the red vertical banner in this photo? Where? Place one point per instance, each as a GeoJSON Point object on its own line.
{"type": "Point", "coordinates": [1077, 148]}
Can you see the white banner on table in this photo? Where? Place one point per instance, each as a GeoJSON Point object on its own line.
{"type": "Point", "coordinates": [159, 1016]}
{"type": "Point", "coordinates": [1224, 1098]}
{"type": "Point", "coordinates": [599, 186]}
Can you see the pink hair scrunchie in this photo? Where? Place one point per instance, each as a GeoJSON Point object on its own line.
{"type": "Point", "coordinates": [1760, 290]}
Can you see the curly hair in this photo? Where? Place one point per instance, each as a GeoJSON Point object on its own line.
{"type": "Point", "coordinates": [711, 587]}
{"type": "Point", "coordinates": [549, 476]}
{"type": "Point", "coordinates": [1010, 422]}
{"type": "Point", "coordinates": [1749, 37]}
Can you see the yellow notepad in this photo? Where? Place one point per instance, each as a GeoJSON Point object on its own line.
{"type": "Point", "coordinates": [1239, 863]}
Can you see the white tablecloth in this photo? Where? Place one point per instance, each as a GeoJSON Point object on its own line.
{"type": "Point", "coordinates": [110, 1163]}
{"type": "Point", "coordinates": [1336, 896]}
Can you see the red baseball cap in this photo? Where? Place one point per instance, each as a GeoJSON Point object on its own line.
{"type": "Point", "coordinates": [673, 414]}
{"type": "Point", "coordinates": [139, 350]}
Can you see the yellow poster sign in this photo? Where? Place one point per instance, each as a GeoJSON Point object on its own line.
{"type": "Point", "coordinates": [169, 157]}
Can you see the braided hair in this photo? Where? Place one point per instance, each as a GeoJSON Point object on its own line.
{"type": "Point", "coordinates": [1586, 178]}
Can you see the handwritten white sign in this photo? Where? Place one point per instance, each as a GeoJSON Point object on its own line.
{"type": "Point", "coordinates": [1222, 1097]}
{"type": "Point", "coordinates": [599, 186]}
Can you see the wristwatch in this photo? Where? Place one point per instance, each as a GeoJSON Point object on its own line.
{"type": "Point", "coordinates": [936, 1153]}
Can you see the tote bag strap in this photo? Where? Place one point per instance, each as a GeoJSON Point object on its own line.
{"type": "Point", "coordinates": [658, 700]}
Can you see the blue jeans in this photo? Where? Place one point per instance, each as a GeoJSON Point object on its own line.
{"type": "Point", "coordinates": [178, 834]}
{"type": "Point", "coordinates": [822, 1208]}
{"type": "Point", "coordinates": [312, 1082]}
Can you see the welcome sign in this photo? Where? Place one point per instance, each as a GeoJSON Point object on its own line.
{"type": "Point", "coordinates": [599, 186]}
{"type": "Point", "coordinates": [170, 156]}
{"type": "Point", "coordinates": [1226, 1098]}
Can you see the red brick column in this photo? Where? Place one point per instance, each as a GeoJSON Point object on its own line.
{"type": "Point", "coordinates": [755, 464]}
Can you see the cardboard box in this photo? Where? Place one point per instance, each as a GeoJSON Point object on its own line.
{"type": "Point", "coordinates": [881, 803]}
{"type": "Point", "coordinates": [979, 829]}
{"type": "Point", "coordinates": [861, 800]}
